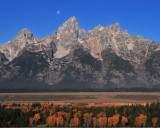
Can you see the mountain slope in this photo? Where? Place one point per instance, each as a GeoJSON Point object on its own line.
{"type": "Point", "coordinates": [3, 59]}
{"type": "Point", "coordinates": [105, 57]}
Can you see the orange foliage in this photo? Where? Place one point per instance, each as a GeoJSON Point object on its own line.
{"type": "Point", "coordinates": [140, 120]}
{"type": "Point", "coordinates": [24, 109]}
{"type": "Point", "coordinates": [60, 113]}
{"type": "Point", "coordinates": [102, 121]}
{"type": "Point", "coordinates": [51, 120]}
{"type": "Point", "coordinates": [110, 122]}
{"type": "Point", "coordinates": [36, 117]}
{"type": "Point", "coordinates": [76, 121]}
{"type": "Point", "coordinates": [81, 104]}
{"type": "Point", "coordinates": [74, 110]}
{"type": "Point", "coordinates": [95, 121]}
{"type": "Point", "coordinates": [51, 112]}
{"type": "Point", "coordinates": [67, 116]}
{"type": "Point", "coordinates": [115, 119]}
{"type": "Point", "coordinates": [87, 118]}
{"type": "Point", "coordinates": [77, 114]}
{"type": "Point", "coordinates": [154, 121]}
{"type": "Point", "coordinates": [62, 118]}
{"type": "Point", "coordinates": [47, 105]}
{"type": "Point", "coordinates": [124, 121]}
{"type": "Point", "coordinates": [7, 107]}
{"type": "Point", "coordinates": [36, 109]}
{"type": "Point", "coordinates": [101, 114]}
{"type": "Point", "coordinates": [30, 121]}
{"type": "Point", "coordinates": [60, 121]}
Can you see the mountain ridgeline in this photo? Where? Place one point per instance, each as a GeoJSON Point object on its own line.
{"type": "Point", "coordinates": [105, 57]}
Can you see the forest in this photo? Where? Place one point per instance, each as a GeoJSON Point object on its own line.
{"type": "Point", "coordinates": [131, 89]}
{"type": "Point", "coordinates": [79, 114]}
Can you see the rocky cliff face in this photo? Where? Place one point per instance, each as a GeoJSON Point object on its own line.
{"type": "Point", "coordinates": [12, 48]}
{"type": "Point", "coordinates": [67, 36]}
{"type": "Point", "coordinates": [3, 60]}
{"type": "Point", "coordinates": [105, 57]}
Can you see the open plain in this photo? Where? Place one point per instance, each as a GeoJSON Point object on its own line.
{"type": "Point", "coordinates": [89, 97]}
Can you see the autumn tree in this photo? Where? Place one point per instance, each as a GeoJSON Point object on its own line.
{"type": "Point", "coordinates": [59, 113]}
{"type": "Point", "coordinates": [59, 121]}
{"type": "Point", "coordinates": [95, 121]}
{"type": "Point", "coordinates": [144, 119]}
{"type": "Point", "coordinates": [51, 120]}
{"type": "Point", "coordinates": [102, 121]}
{"type": "Point", "coordinates": [110, 122]}
{"type": "Point", "coordinates": [31, 121]}
{"type": "Point", "coordinates": [87, 119]}
{"type": "Point", "coordinates": [115, 120]}
{"type": "Point", "coordinates": [51, 112]}
{"type": "Point", "coordinates": [101, 114]}
{"type": "Point", "coordinates": [76, 121]}
{"type": "Point", "coordinates": [77, 114]}
{"type": "Point", "coordinates": [140, 120]}
{"type": "Point", "coordinates": [154, 121]}
{"type": "Point", "coordinates": [36, 117]}
{"type": "Point", "coordinates": [124, 121]}
{"type": "Point", "coordinates": [67, 117]}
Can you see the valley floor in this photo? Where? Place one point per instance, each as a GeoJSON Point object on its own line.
{"type": "Point", "coordinates": [120, 98]}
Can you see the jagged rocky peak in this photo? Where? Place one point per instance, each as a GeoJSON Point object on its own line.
{"type": "Point", "coordinates": [25, 32]}
{"type": "Point", "coordinates": [54, 35]}
{"type": "Point", "coordinates": [95, 31]}
{"type": "Point", "coordinates": [99, 28]}
{"type": "Point", "coordinates": [126, 31]}
{"type": "Point", "coordinates": [100, 38]}
{"type": "Point", "coordinates": [12, 48]}
{"type": "Point", "coordinates": [115, 27]}
{"type": "Point", "coordinates": [69, 27]}
{"type": "Point", "coordinates": [68, 35]}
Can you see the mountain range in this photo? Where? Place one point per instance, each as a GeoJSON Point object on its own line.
{"type": "Point", "coordinates": [104, 57]}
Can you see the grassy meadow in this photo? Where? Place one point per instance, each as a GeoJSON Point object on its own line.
{"type": "Point", "coordinates": [89, 97]}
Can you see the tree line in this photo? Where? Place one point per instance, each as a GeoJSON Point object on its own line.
{"type": "Point", "coordinates": [79, 115]}
{"type": "Point", "coordinates": [131, 89]}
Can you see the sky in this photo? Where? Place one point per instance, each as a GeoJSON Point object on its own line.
{"type": "Point", "coordinates": [42, 17]}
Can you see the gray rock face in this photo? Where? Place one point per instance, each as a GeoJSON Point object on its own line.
{"type": "Point", "coordinates": [12, 48]}
{"type": "Point", "coordinates": [46, 45]}
{"type": "Point", "coordinates": [68, 35]}
{"type": "Point", "coordinates": [3, 59]}
{"type": "Point", "coordinates": [133, 48]}
{"type": "Point", "coordinates": [105, 57]}
{"type": "Point", "coordinates": [153, 68]}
